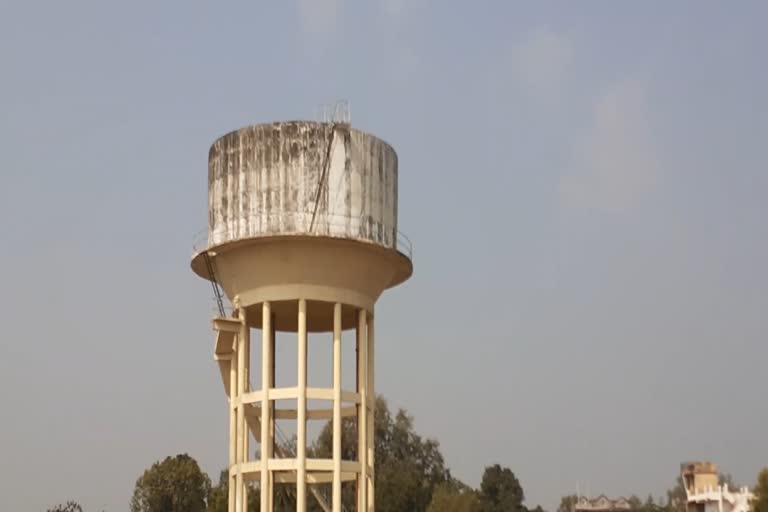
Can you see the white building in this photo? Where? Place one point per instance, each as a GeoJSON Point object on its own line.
{"type": "Point", "coordinates": [601, 504]}
{"type": "Point", "coordinates": [705, 493]}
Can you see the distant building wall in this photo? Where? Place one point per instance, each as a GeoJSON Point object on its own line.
{"type": "Point", "coordinates": [699, 476]}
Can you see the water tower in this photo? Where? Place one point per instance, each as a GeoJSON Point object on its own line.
{"type": "Point", "coordinates": [302, 237]}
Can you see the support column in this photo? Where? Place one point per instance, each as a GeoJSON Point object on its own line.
{"type": "Point", "coordinates": [233, 398]}
{"type": "Point", "coordinates": [301, 421]}
{"type": "Point", "coordinates": [362, 410]}
{"type": "Point", "coordinates": [241, 429]}
{"type": "Point", "coordinates": [245, 333]}
{"type": "Point", "coordinates": [266, 367]}
{"type": "Point", "coordinates": [371, 405]}
{"type": "Point", "coordinates": [273, 422]}
{"type": "Point", "coordinates": [337, 407]}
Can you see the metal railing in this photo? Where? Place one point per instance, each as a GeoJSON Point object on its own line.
{"type": "Point", "coordinates": [403, 245]}
{"type": "Point", "coordinates": [362, 228]}
{"type": "Point", "coordinates": [200, 241]}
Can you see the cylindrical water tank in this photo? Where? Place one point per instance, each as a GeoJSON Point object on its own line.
{"type": "Point", "coordinates": [302, 178]}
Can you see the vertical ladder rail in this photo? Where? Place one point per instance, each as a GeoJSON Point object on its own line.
{"type": "Point", "coordinates": [214, 284]}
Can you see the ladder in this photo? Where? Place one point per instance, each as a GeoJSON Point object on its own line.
{"type": "Point", "coordinates": [216, 290]}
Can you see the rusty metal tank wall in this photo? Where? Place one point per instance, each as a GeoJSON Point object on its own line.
{"type": "Point", "coordinates": [302, 178]}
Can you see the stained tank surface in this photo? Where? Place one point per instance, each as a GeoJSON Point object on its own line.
{"type": "Point", "coordinates": [302, 178]}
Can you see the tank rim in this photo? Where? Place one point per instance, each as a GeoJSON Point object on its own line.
{"type": "Point", "coordinates": [302, 121]}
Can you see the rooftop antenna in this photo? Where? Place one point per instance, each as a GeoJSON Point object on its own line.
{"type": "Point", "coordinates": [338, 112]}
{"type": "Point", "coordinates": [341, 112]}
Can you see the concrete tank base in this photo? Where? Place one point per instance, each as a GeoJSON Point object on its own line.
{"type": "Point", "coordinates": [321, 270]}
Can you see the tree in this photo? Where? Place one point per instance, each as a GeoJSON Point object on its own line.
{"type": "Point", "coordinates": [500, 491]}
{"type": "Point", "coordinates": [70, 506]}
{"type": "Point", "coordinates": [174, 485]}
{"type": "Point", "coordinates": [567, 503]}
{"type": "Point", "coordinates": [761, 492]}
{"type": "Point", "coordinates": [410, 475]}
{"type": "Point", "coordinates": [218, 497]}
{"type": "Point", "coordinates": [408, 467]}
{"type": "Point", "coordinates": [650, 505]}
{"type": "Point", "coordinates": [453, 497]}
{"type": "Point", "coordinates": [727, 479]}
{"type": "Point", "coordinates": [677, 498]}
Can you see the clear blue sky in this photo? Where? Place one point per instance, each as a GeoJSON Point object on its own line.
{"type": "Point", "coordinates": [585, 185]}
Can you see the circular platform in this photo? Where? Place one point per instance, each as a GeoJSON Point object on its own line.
{"type": "Point", "coordinates": [322, 270]}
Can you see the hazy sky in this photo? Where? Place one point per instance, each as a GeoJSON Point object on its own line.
{"type": "Point", "coordinates": [584, 183]}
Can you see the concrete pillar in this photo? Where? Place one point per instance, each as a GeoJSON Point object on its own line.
{"type": "Point", "coordinates": [266, 379]}
{"type": "Point", "coordinates": [272, 423]}
{"type": "Point", "coordinates": [246, 335]}
{"type": "Point", "coordinates": [232, 428]}
{"type": "Point", "coordinates": [337, 407]}
{"type": "Point", "coordinates": [371, 432]}
{"type": "Point", "coordinates": [362, 416]}
{"type": "Point", "coordinates": [301, 426]}
{"type": "Point", "coordinates": [241, 428]}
